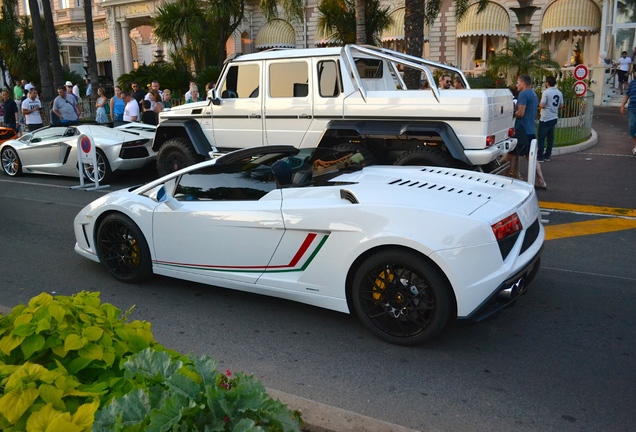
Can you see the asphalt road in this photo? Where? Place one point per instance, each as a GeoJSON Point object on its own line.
{"type": "Point", "coordinates": [562, 359]}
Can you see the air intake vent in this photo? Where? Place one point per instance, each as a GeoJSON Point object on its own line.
{"type": "Point", "coordinates": [349, 196]}
{"type": "Point", "coordinates": [439, 187]}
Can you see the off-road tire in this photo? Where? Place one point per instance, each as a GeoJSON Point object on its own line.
{"type": "Point", "coordinates": [176, 154]}
{"type": "Point", "coordinates": [432, 156]}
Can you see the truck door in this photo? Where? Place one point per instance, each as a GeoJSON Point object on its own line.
{"type": "Point", "coordinates": [238, 119]}
{"type": "Point", "coordinates": [289, 101]}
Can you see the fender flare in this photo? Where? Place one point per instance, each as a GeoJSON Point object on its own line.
{"type": "Point", "coordinates": [187, 128]}
{"type": "Point", "coordinates": [397, 128]}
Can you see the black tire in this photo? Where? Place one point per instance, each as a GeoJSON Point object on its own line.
{"type": "Point", "coordinates": [401, 298]}
{"type": "Point", "coordinates": [432, 156]}
{"type": "Point", "coordinates": [369, 157]}
{"type": "Point", "coordinates": [123, 249]}
{"type": "Point", "coordinates": [103, 169]}
{"type": "Point", "coordinates": [11, 164]}
{"type": "Point", "coordinates": [176, 154]}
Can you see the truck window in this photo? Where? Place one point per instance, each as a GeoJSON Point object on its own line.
{"type": "Point", "coordinates": [289, 79]}
{"type": "Point", "coordinates": [241, 81]}
{"type": "Point", "coordinates": [328, 79]}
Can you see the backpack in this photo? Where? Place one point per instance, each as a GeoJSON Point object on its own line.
{"type": "Point", "coordinates": [107, 106]}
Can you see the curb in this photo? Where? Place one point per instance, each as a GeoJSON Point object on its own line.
{"type": "Point", "coordinates": [325, 418]}
{"type": "Point", "coordinates": [4, 310]}
{"type": "Point", "coordinates": [591, 142]}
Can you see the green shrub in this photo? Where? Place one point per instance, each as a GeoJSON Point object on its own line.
{"type": "Point", "coordinates": [63, 357]}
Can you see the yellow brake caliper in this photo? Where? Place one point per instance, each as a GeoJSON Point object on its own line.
{"type": "Point", "coordinates": [380, 284]}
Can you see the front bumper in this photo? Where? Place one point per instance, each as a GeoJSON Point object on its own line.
{"type": "Point", "coordinates": [509, 291]}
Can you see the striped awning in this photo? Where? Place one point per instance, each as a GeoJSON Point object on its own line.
{"type": "Point", "coordinates": [102, 50]}
{"type": "Point", "coordinates": [321, 39]}
{"type": "Point", "coordinates": [396, 30]}
{"type": "Point", "coordinates": [571, 15]}
{"type": "Point", "coordinates": [276, 33]}
{"type": "Point", "coordinates": [493, 20]}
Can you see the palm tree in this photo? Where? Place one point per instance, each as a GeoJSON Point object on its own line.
{"type": "Point", "coordinates": [54, 51]}
{"type": "Point", "coordinates": [523, 57]}
{"type": "Point", "coordinates": [338, 20]}
{"type": "Point", "coordinates": [92, 55]}
{"type": "Point", "coordinates": [416, 14]}
{"type": "Point", "coordinates": [361, 21]}
{"type": "Point", "coordinates": [42, 53]}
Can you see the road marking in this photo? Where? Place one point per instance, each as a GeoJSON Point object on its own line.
{"type": "Point", "coordinates": [599, 226]}
{"type": "Point", "coordinates": [35, 184]}
{"type": "Point", "coordinates": [588, 209]}
{"type": "Point", "coordinates": [43, 201]}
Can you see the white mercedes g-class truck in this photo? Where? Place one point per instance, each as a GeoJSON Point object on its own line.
{"type": "Point", "coordinates": [350, 98]}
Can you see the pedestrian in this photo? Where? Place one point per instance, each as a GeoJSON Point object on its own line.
{"type": "Point", "coordinates": [154, 86]}
{"type": "Point", "coordinates": [148, 116]}
{"type": "Point", "coordinates": [69, 93]}
{"type": "Point", "coordinates": [1, 112]}
{"type": "Point", "coordinates": [624, 65]}
{"type": "Point", "coordinates": [137, 92]}
{"type": "Point", "coordinates": [208, 87]}
{"type": "Point", "coordinates": [117, 106]}
{"type": "Point", "coordinates": [630, 95]}
{"type": "Point", "coordinates": [167, 98]}
{"type": "Point", "coordinates": [445, 82]}
{"type": "Point", "coordinates": [76, 91]}
{"type": "Point", "coordinates": [32, 111]}
{"type": "Point", "coordinates": [11, 113]}
{"type": "Point", "coordinates": [89, 88]}
{"type": "Point", "coordinates": [27, 86]}
{"type": "Point", "coordinates": [18, 92]}
{"type": "Point", "coordinates": [65, 106]}
{"type": "Point", "coordinates": [131, 112]}
{"type": "Point", "coordinates": [525, 115]}
{"type": "Point", "coordinates": [188, 95]}
{"type": "Point", "coordinates": [101, 103]}
{"type": "Point", "coordinates": [194, 94]}
{"type": "Point", "coordinates": [551, 102]}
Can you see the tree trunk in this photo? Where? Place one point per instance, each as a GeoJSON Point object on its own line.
{"type": "Point", "coordinates": [54, 50]}
{"type": "Point", "coordinates": [40, 46]}
{"type": "Point", "coordinates": [414, 38]}
{"type": "Point", "coordinates": [92, 55]}
{"type": "Point", "coordinates": [361, 22]}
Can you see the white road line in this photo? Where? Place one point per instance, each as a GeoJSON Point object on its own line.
{"type": "Point", "coordinates": [588, 273]}
{"type": "Point", "coordinates": [43, 201]}
{"type": "Point", "coordinates": [35, 184]}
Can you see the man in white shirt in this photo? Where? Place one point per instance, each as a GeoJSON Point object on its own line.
{"type": "Point", "coordinates": [131, 111]}
{"type": "Point", "coordinates": [624, 64]}
{"type": "Point", "coordinates": [551, 102]}
{"type": "Point", "coordinates": [76, 91]}
{"type": "Point", "coordinates": [32, 110]}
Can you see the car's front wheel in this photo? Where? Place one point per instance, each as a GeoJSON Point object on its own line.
{"type": "Point", "coordinates": [103, 169]}
{"type": "Point", "coordinates": [123, 249]}
{"type": "Point", "coordinates": [402, 298]}
{"type": "Point", "coordinates": [175, 154]}
{"type": "Point", "coordinates": [11, 164]}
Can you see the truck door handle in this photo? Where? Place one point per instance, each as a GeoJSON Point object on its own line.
{"type": "Point", "coordinates": [255, 116]}
{"type": "Point", "coordinates": [304, 116]}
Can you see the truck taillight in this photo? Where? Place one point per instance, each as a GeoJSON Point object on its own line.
{"type": "Point", "coordinates": [490, 140]}
{"type": "Point", "coordinates": [511, 132]}
{"type": "Point", "coordinates": [506, 227]}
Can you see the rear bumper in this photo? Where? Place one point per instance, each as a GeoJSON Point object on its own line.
{"type": "Point", "coordinates": [509, 291]}
{"type": "Point", "coordinates": [487, 155]}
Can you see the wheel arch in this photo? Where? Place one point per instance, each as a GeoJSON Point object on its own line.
{"type": "Point", "coordinates": [371, 128]}
{"type": "Point", "coordinates": [187, 128]}
{"type": "Point", "coordinates": [353, 269]}
{"type": "Point", "coordinates": [130, 216]}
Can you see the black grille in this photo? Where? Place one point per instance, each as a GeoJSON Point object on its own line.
{"type": "Point", "coordinates": [531, 235]}
{"type": "Point", "coordinates": [506, 245]}
{"type": "Point", "coordinates": [133, 152]}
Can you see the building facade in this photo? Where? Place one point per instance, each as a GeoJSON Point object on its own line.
{"type": "Point", "coordinates": [576, 32]}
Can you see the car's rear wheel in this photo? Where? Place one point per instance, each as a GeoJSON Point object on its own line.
{"type": "Point", "coordinates": [123, 249]}
{"type": "Point", "coordinates": [401, 298]}
{"type": "Point", "coordinates": [175, 154]}
{"type": "Point", "coordinates": [102, 169]}
{"type": "Point", "coordinates": [369, 157]}
{"type": "Point", "coordinates": [433, 156]}
{"type": "Point", "coordinates": [11, 164]}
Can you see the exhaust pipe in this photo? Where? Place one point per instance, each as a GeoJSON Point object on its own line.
{"type": "Point", "coordinates": [512, 291]}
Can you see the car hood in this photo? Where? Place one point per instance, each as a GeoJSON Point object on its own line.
{"type": "Point", "coordinates": [435, 188]}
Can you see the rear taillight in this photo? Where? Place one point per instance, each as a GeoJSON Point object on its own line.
{"type": "Point", "coordinates": [507, 227]}
{"type": "Point", "coordinates": [490, 140]}
{"type": "Point", "coordinates": [511, 132]}
{"type": "Point", "coordinates": [136, 143]}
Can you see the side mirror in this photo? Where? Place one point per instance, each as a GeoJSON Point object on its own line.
{"type": "Point", "coordinates": [214, 96]}
{"type": "Point", "coordinates": [164, 197]}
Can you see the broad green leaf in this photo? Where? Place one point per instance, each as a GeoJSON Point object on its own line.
{"type": "Point", "coordinates": [106, 341]}
{"type": "Point", "coordinates": [93, 310]}
{"type": "Point", "coordinates": [57, 312]}
{"type": "Point", "coordinates": [122, 333]}
{"type": "Point", "coordinates": [9, 342]}
{"type": "Point", "coordinates": [16, 402]}
{"type": "Point", "coordinates": [109, 358]}
{"type": "Point", "coordinates": [73, 392]}
{"type": "Point", "coordinates": [134, 406]}
{"type": "Point", "coordinates": [206, 367]}
{"type": "Point", "coordinates": [184, 386]}
{"type": "Point", "coordinates": [92, 352]}
{"type": "Point", "coordinates": [32, 344]}
{"type": "Point", "coordinates": [40, 420]}
{"type": "Point", "coordinates": [51, 394]}
{"type": "Point", "coordinates": [61, 424]}
{"type": "Point", "coordinates": [43, 324]}
{"type": "Point", "coordinates": [246, 425]}
{"type": "Point", "coordinates": [92, 333]}
{"type": "Point", "coordinates": [78, 364]}
{"type": "Point", "coordinates": [50, 376]}
{"type": "Point", "coordinates": [59, 351]}
{"type": "Point", "coordinates": [145, 334]}
{"type": "Point", "coordinates": [137, 343]}
{"type": "Point", "coordinates": [85, 318]}
{"type": "Point", "coordinates": [111, 311]}
{"type": "Point", "coordinates": [85, 415]}
{"type": "Point", "coordinates": [25, 330]}
{"type": "Point", "coordinates": [151, 364]}
{"type": "Point", "coordinates": [169, 415]}
{"type": "Point", "coordinates": [22, 319]}
{"type": "Point", "coordinates": [73, 342]}
{"type": "Point", "coordinates": [27, 373]}
{"type": "Point", "coordinates": [40, 300]}
{"type": "Point", "coordinates": [8, 369]}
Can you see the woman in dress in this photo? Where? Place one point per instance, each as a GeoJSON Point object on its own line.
{"type": "Point", "coordinates": [100, 104]}
{"type": "Point", "coordinates": [117, 106]}
{"type": "Point", "coordinates": [156, 98]}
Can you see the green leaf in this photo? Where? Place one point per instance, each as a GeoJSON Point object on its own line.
{"type": "Point", "coordinates": [92, 333]}
{"type": "Point", "coordinates": [169, 415]}
{"type": "Point", "coordinates": [9, 342]}
{"type": "Point", "coordinates": [40, 420]}
{"type": "Point", "coordinates": [40, 300]}
{"type": "Point", "coordinates": [92, 352]}
{"type": "Point", "coordinates": [137, 343]}
{"type": "Point", "coordinates": [22, 319]}
{"type": "Point", "coordinates": [57, 312]}
{"type": "Point", "coordinates": [151, 364]}
{"type": "Point", "coordinates": [32, 344]}
{"type": "Point", "coordinates": [17, 402]}
{"type": "Point", "coordinates": [184, 386]}
{"type": "Point", "coordinates": [206, 368]}
{"type": "Point", "coordinates": [51, 394]}
{"type": "Point", "coordinates": [111, 311]}
{"type": "Point", "coordinates": [109, 358]}
{"type": "Point", "coordinates": [24, 330]}
{"type": "Point", "coordinates": [27, 373]}
{"type": "Point", "coordinates": [73, 342]}
{"type": "Point", "coordinates": [78, 364]}
{"type": "Point", "coordinates": [59, 351]}
{"type": "Point", "coordinates": [43, 325]}
{"type": "Point", "coordinates": [85, 415]}
{"type": "Point", "coordinates": [246, 425]}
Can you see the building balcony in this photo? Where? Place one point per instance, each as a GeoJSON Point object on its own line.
{"type": "Point", "coordinates": [76, 15]}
